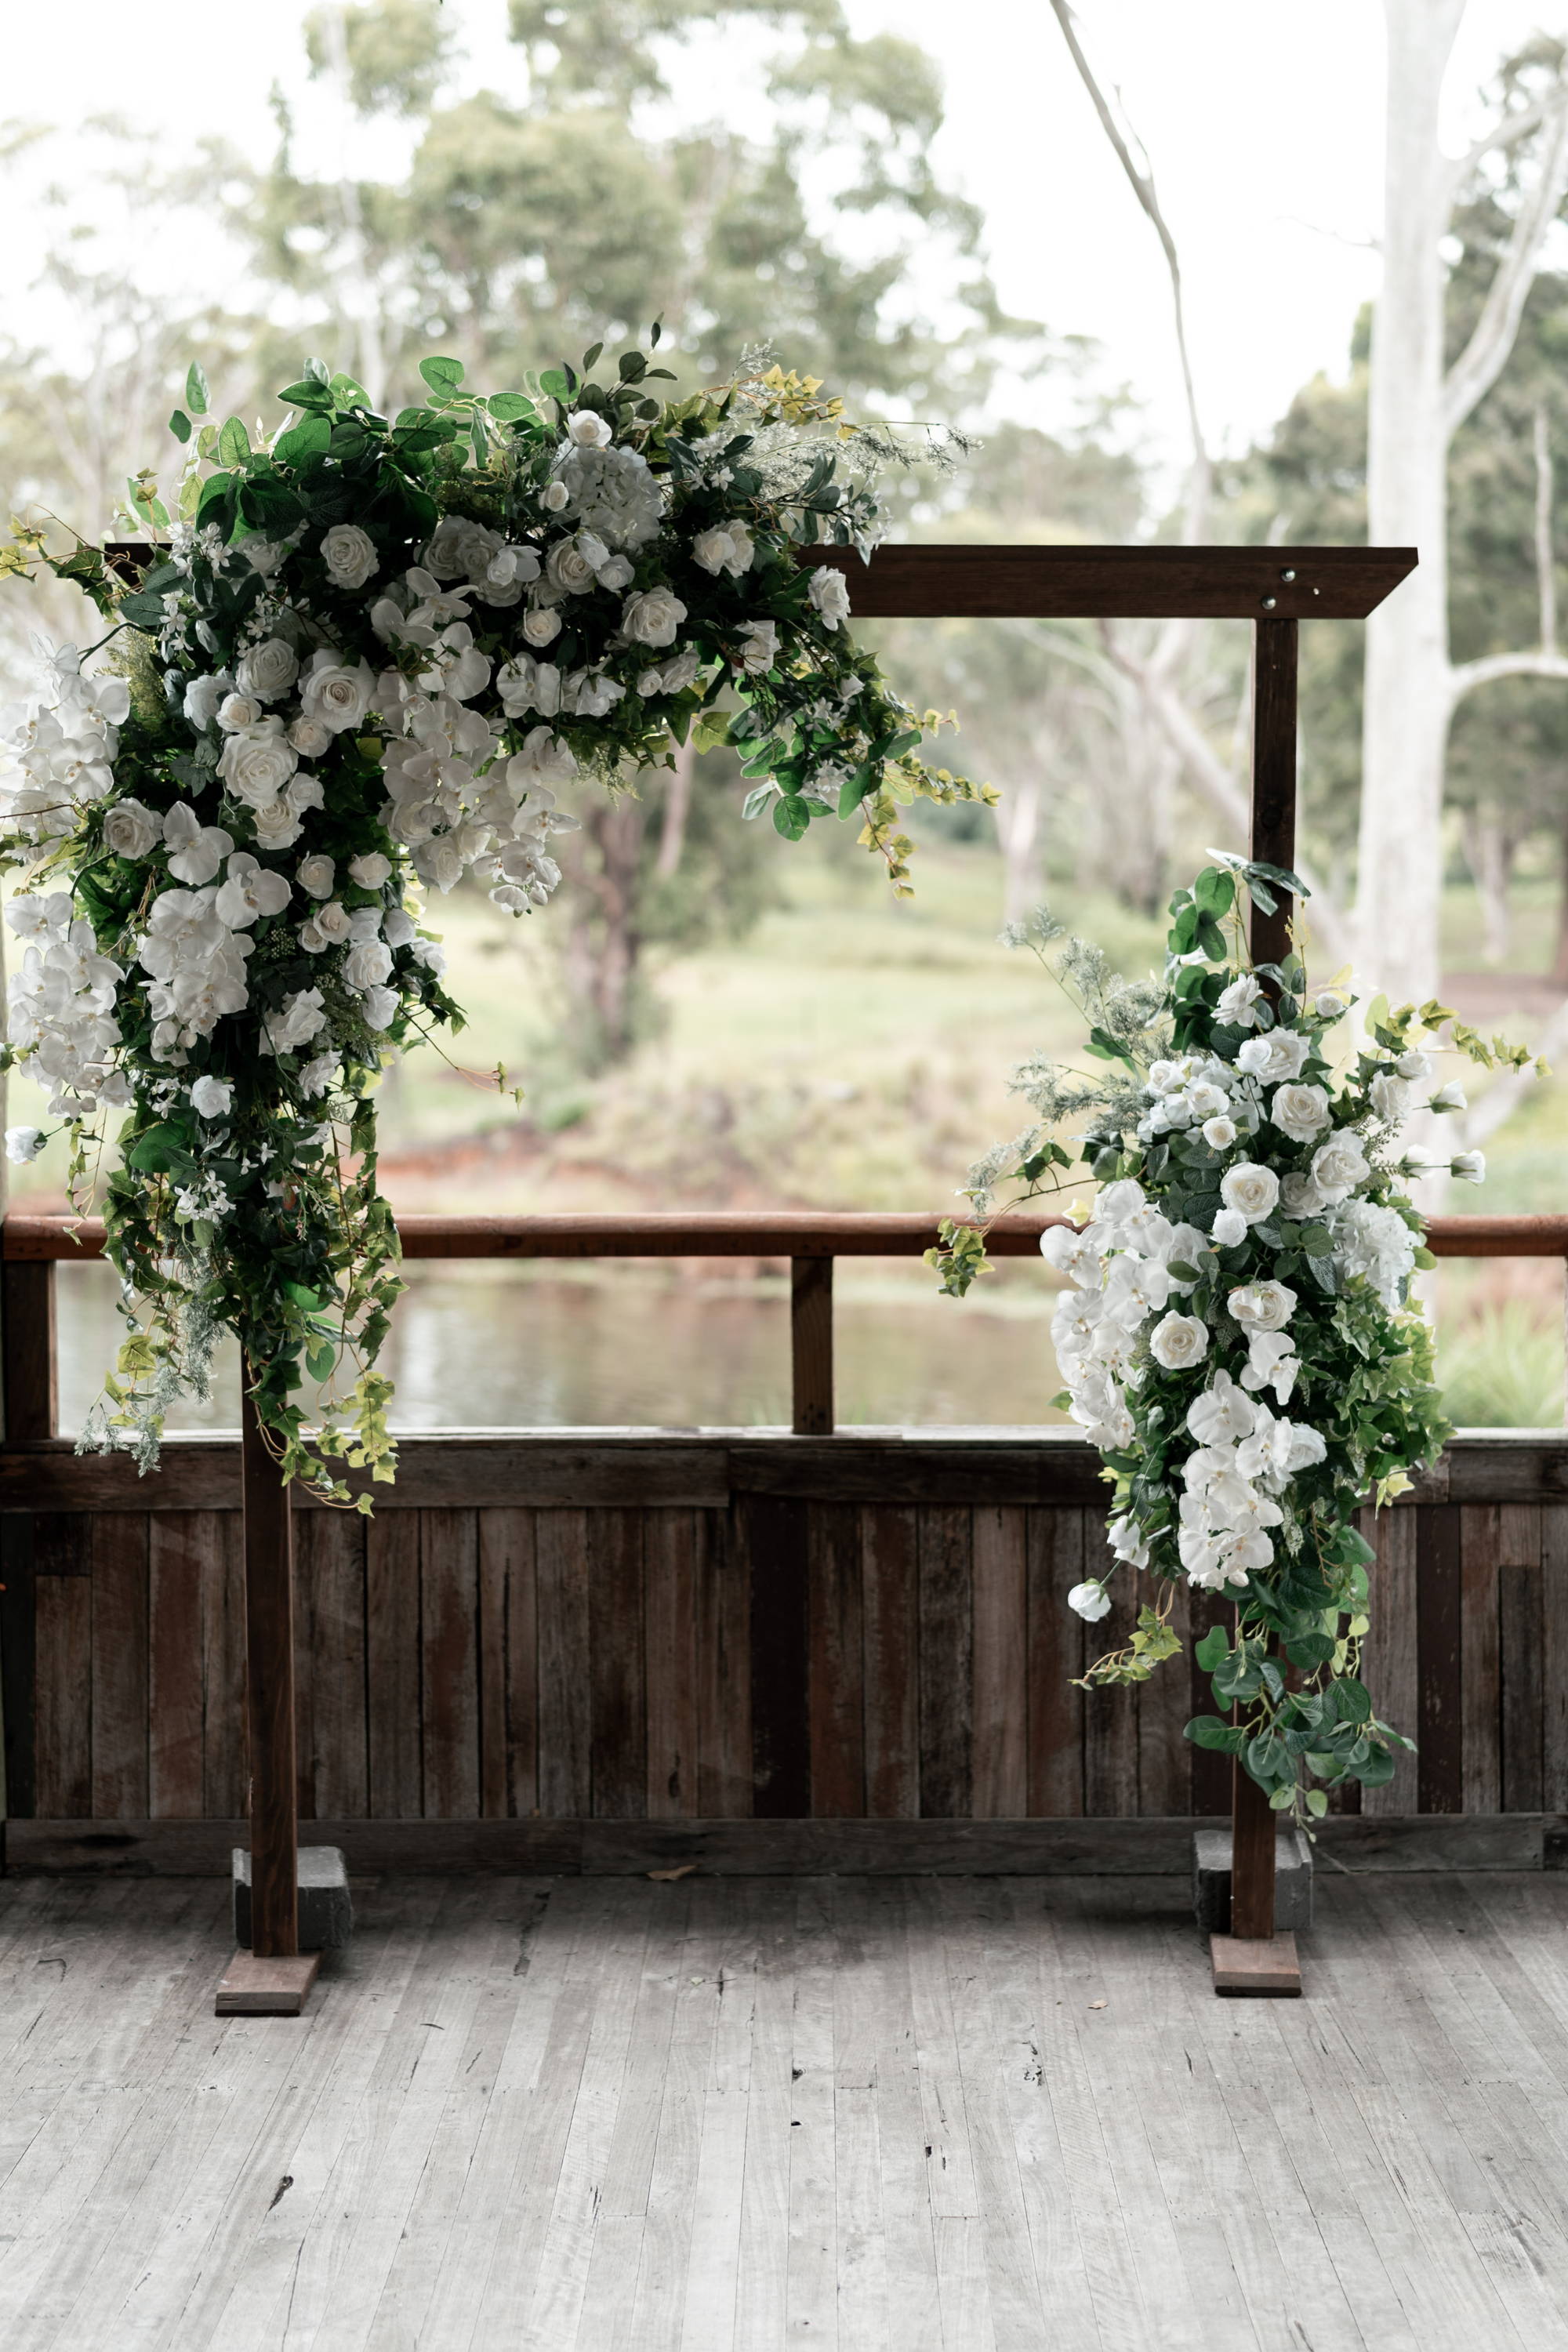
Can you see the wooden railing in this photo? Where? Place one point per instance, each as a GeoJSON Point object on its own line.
{"type": "Point", "coordinates": [811, 1239]}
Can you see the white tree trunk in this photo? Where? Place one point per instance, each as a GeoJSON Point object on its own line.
{"type": "Point", "coordinates": [1406, 709]}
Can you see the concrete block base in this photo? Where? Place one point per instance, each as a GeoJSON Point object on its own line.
{"type": "Point", "coordinates": [326, 1913]}
{"type": "Point", "coordinates": [1211, 1881]}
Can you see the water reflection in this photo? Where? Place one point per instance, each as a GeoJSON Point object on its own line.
{"type": "Point", "coordinates": [531, 1347]}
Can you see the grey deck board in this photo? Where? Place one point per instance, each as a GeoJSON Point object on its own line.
{"type": "Point", "coordinates": [734, 2115]}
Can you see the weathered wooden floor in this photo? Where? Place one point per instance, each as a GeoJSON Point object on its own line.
{"type": "Point", "coordinates": [918, 2113]}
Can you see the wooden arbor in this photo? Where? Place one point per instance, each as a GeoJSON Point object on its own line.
{"type": "Point", "coordinates": [1275, 588]}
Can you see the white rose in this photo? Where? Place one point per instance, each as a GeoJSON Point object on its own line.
{"type": "Point", "coordinates": [711, 549]}
{"type": "Point", "coordinates": [1282, 1053]}
{"type": "Point", "coordinates": [332, 923]}
{"type": "Point", "coordinates": [300, 1019]}
{"type": "Point", "coordinates": [1238, 1005]}
{"type": "Point", "coordinates": [23, 1143]}
{"type": "Point", "coordinates": [1389, 1097]}
{"type": "Point", "coordinates": [1178, 1341]}
{"type": "Point", "coordinates": [1230, 1227]}
{"type": "Point", "coordinates": [367, 964]}
{"type": "Point", "coordinates": [1220, 1134]}
{"type": "Point", "coordinates": [617, 572]}
{"type": "Point", "coordinates": [651, 617]}
{"type": "Point", "coordinates": [310, 738]}
{"type": "Point", "coordinates": [1339, 1166]}
{"type": "Point", "coordinates": [316, 1076]}
{"type": "Point", "coordinates": [1329, 1005]}
{"type": "Point", "coordinates": [267, 670]}
{"type": "Point", "coordinates": [350, 555]}
{"type": "Point", "coordinates": [1414, 1065]}
{"type": "Point", "coordinates": [761, 649]}
{"type": "Point", "coordinates": [555, 496]}
{"type": "Point", "coordinates": [314, 875]}
{"type": "Point", "coordinates": [1252, 1190]}
{"type": "Point", "coordinates": [263, 555]}
{"type": "Point", "coordinates": [1300, 1112]}
{"type": "Point", "coordinates": [335, 696]}
{"type": "Point", "coordinates": [541, 626]}
{"type": "Point", "coordinates": [587, 431]}
{"type": "Point", "coordinates": [1091, 1601]}
{"type": "Point", "coordinates": [1299, 1197]}
{"type": "Point", "coordinates": [398, 927]}
{"type": "Point", "coordinates": [277, 825]}
{"type": "Point", "coordinates": [829, 592]}
{"type": "Point", "coordinates": [130, 830]}
{"type": "Point", "coordinates": [371, 870]}
{"type": "Point", "coordinates": [239, 711]}
{"type": "Point", "coordinates": [379, 1007]}
{"type": "Point", "coordinates": [1450, 1097]}
{"type": "Point", "coordinates": [203, 696]}
{"type": "Point", "coordinates": [256, 764]}
{"type": "Point", "coordinates": [1262, 1305]}
{"type": "Point", "coordinates": [1207, 1100]}
{"type": "Point", "coordinates": [569, 569]}
{"type": "Point", "coordinates": [1469, 1167]}
{"type": "Point", "coordinates": [211, 1097]}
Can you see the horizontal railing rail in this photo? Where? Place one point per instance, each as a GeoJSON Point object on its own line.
{"type": "Point", "coordinates": [31, 1246]}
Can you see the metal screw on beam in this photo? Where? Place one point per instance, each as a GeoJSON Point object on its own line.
{"type": "Point", "coordinates": [1287, 575]}
{"type": "Point", "coordinates": [1269, 603]}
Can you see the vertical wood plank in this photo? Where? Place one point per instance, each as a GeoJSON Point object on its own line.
{"type": "Point", "coordinates": [1274, 664]}
{"type": "Point", "coordinates": [449, 1665]}
{"type": "Point", "coordinates": [177, 1543]}
{"type": "Point", "coordinates": [1555, 1657]}
{"type": "Point", "coordinates": [1480, 1693]}
{"type": "Point", "coordinates": [334, 1728]}
{"type": "Point", "coordinates": [836, 1664]}
{"type": "Point", "coordinates": [946, 1660]}
{"type": "Point", "coordinates": [1519, 1656]}
{"type": "Point", "coordinates": [120, 1665]}
{"type": "Point", "coordinates": [1110, 1723]}
{"type": "Point", "coordinates": [1056, 1642]}
{"type": "Point", "coordinates": [513, 1536]}
{"type": "Point", "coordinates": [669, 1601]}
{"type": "Point", "coordinates": [304, 1646]}
{"type": "Point", "coordinates": [725, 1770]}
{"type": "Point", "coordinates": [811, 1345]}
{"type": "Point", "coordinates": [31, 1371]}
{"type": "Point", "coordinates": [618, 1762]}
{"type": "Point", "coordinates": [1392, 1666]}
{"type": "Point", "coordinates": [565, 1718]}
{"type": "Point", "coordinates": [505, 1535]}
{"type": "Point", "coordinates": [772, 1536]}
{"type": "Point", "coordinates": [224, 1737]}
{"type": "Point", "coordinates": [889, 1593]}
{"type": "Point", "coordinates": [18, 1655]}
{"type": "Point", "coordinates": [1162, 1704]}
{"type": "Point", "coordinates": [391, 1664]}
{"type": "Point", "coordinates": [62, 1688]}
{"type": "Point", "coordinates": [1000, 1706]}
{"type": "Point", "coordinates": [1438, 1637]}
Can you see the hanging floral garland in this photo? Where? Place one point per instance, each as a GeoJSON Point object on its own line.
{"type": "Point", "coordinates": [1238, 1333]}
{"type": "Point", "coordinates": [371, 657]}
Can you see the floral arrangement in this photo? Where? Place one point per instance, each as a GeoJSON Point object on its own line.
{"type": "Point", "coordinates": [1238, 1333]}
{"type": "Point", "coordinates": [367, 657]}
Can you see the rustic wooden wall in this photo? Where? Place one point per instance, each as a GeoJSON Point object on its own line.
{"type": "Point", "coordinates": [894, 1648]}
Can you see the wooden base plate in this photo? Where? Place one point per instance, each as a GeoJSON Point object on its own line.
{"type": "Point", "coordinates": [1267, 1965]}
{"type": "Point", "coordinates": [252, 1987]}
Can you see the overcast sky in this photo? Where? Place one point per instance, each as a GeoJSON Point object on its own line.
{"type": "Point", "coordinates": [1263, 124]}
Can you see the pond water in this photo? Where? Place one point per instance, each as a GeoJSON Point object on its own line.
{"type": "Point", "coordinates": [530, 1346]}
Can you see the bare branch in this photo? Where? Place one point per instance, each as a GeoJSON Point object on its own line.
{"type": "Point", "coordinates": [1545, 568]}
{"type": "Point", "coordinates": [1225, 795]}
{"type": "Point", "coordinates": [1506, 132]}
{"type": "Point", "coordinates": [1465, 677]}
{"type": "Point", "coordinates": [1484, 357]}
{"type": "Point", "coordinates": [1142, 184]}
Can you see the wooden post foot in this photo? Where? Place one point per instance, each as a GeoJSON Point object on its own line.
{"type": "Point", "coordinates": [1257, 1964]}
{"type": "Point", "coordinates": [254, 1987]}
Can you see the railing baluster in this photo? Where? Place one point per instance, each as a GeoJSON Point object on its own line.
{"type": "Point", "coordinates": [811, 1345]}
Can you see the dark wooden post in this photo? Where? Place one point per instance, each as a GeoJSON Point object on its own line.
{"type": "Point", "coordinates": [32, 1374]}
{"type": "Point", "coordinates": [1254, 1825]}
{"type": "Point", "coordinates": [811, 1345]}
{"type": "Point", "coordinates": [274, 1976]}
